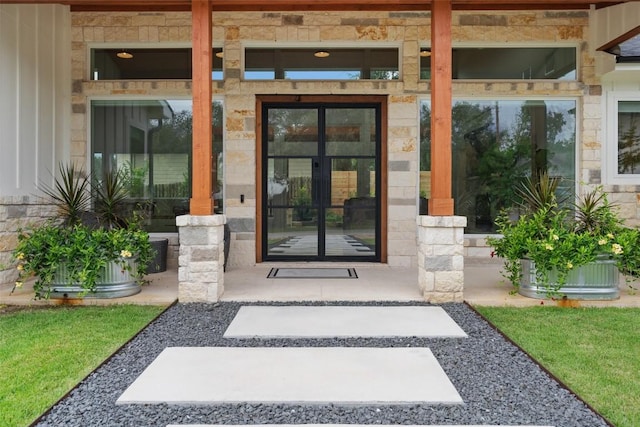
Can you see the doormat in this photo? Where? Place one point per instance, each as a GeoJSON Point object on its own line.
{"type": "Point", "coordinates": [312, 273]}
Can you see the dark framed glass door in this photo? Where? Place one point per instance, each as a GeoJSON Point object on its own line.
{"type": "Point", "coordinates": [321, 181]}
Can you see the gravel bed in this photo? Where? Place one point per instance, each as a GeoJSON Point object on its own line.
{"type": "Point", "coordinates": [499, 384]}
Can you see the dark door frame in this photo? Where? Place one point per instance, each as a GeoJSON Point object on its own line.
{"type": "Point", "coordinates": [322, 99]}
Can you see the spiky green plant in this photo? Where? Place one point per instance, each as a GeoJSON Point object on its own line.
{"type": "Point", "coordinates": [541, 192]}
{"type": "Point", "coordinates": [70, 193]}
{"type": "Point", "coordinates": [594, 213]}
{"type": "Point", "coordinates": [110, 199]}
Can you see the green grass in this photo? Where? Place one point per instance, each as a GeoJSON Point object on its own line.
{"type": "Point", "coordinates": [594, 351]}
{"type": "Point", "coordinates": [45, 352]}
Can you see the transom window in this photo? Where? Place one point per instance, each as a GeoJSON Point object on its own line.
{"type": "Point", "coordinates": [509, 63]}
{"type": "Point", "coordinates": [147, 64]}
{"type": "Point", "coordinates": [321, 64]}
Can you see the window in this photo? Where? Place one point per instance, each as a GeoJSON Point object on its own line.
{"type": "Point", "coordinates": [149, 141]}
{"type": "Point", "coordinates": [628, 137]}
{"type": "Point", "coordinates": [509, 63]}
{"type": "Point", "coordinates": [147, 64]}
{"type": "Point", "coordinates": [325, 64]}
{"type": "Point", "coordinates": [495, 145]}
{"type": "Point", "coordinates": [621, 125]}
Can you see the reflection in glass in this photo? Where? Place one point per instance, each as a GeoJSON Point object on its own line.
{"type": "Point", "coordinates": [148, 64]}
{"type": "Point", "coordinates": [291, 232]}
{"type": "Point", "coordinates": [149, 141]}
{"type": "Point", "coordinates": [359, 240]}
{"type": "Point", "coordinates": [509, 63]}
{"type": "Point", "coordinates": [340, 64]}
{"type": "Point", "coordinates": [320, 182]}
{"type": "Point", "coordinates": [292, 132]}
{"type": "Point", "coordinates": [629, 137]}
{"type": "Point", "coordinates": [352, 178]}
{"type": "Point", "coordinates": [351, 132]}
{"type": "Point", "coordinates": [496, 144]}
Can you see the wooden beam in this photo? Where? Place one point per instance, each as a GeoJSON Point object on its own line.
{"type": "Point", "coordinates": [202, 156]}
{"type": "Point", "coordinates": [441, 203]}
{"type": "Point", "coordinates": [320, 5]}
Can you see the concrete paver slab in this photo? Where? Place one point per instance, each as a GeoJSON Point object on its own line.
{"type": "Point", "coordinates": [342, 321]}
{"type": "Point", "coordinates": [310, 375]}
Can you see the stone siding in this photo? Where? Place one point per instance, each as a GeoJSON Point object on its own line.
{"type": "Point", "coordinates": [17, 213]}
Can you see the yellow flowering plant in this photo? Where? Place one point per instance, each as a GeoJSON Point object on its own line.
{"type": "Point", "coordinates": [560, 239]}
{"type": "Point", "coordinates": [82, 250]}
{"type": "Point", "coordinates": [82, 241]}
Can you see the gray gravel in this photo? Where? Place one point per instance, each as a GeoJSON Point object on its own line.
{"type": "Point", "coordinates": [498, 383]}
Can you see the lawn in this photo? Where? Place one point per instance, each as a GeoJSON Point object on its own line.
{"type": "Point", "coordinates": [45, 352]}
{"type": "Point", "coordinates": [594, 351]}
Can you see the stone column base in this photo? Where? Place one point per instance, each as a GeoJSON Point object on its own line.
{"type": "Point", "coordinates": [441, 257]}
{"type": "Point", "coordinates": [201, 258]}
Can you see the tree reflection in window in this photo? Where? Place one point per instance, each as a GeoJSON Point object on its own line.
{"type": "Point", "coordinates": [497, 144]}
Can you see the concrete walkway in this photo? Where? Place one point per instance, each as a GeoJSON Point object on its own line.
{"type": "Point", "coordinates": [484, 285]}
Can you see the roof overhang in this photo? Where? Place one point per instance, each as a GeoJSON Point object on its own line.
{"type": "Point", "coordinates": [319, 5]}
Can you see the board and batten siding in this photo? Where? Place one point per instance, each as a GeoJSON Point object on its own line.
{"type": "Point", "coordinates": [35, 101]}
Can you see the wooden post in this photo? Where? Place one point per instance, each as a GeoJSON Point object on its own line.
{"type": "Point", "coordinates": [441, 203]}
{"type": "Point", "coordinates": [201, 202]}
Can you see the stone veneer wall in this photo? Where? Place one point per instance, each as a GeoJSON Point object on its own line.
{"type": "Point", "coordinates": [405, 29]}
{"type": "Point", "coordinates": [17, 213]}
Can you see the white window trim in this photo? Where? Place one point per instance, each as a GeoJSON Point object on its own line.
{"type": "Point", "coordinates": [610, 139]}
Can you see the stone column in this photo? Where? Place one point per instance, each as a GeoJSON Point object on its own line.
{"type": "Point", "coordinates": [201, 259]}
{"type": "Point", "coordinates": [441, 257]}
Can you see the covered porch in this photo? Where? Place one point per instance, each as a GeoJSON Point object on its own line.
{"type": "Point", "coordinates": [436, 269]}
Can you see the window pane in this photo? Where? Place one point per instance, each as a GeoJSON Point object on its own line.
{"type": "Point", "coordinates": [293, 132]}
{"type": "Point", "coordinates": [351, 131]}
{"type": "Point", "coordinates": [292, 232]}
{"type": "Point", "coordinates": [496, 144]}
{"type": "Point", "coordinates": [149, 63]}
{"type": "Point", "coordinates": [512, 63]}
{"type": "Point", "coordinates": [629, 137]}
{"type": "Point", "coordinates": [303, 64]}
{"type": "Point", "coordinates": [150, 142]}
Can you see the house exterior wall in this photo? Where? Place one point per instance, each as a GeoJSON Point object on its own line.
{"type": "Point", "coordinates": [406, 30]}
{"type": "Point", "coordinates": [34, 112]}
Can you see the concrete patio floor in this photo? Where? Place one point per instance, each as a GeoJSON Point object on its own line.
{"type": "Point", "coordinates": [484, 285]}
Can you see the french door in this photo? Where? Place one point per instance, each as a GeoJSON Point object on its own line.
{"type": "Point", "coordinates": [321, 181]}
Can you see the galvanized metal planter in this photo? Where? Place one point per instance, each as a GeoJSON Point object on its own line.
{"type": "Point", "coordinates": [115, 282]}
{"type": "Point", "coordinates": [593, 281]}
